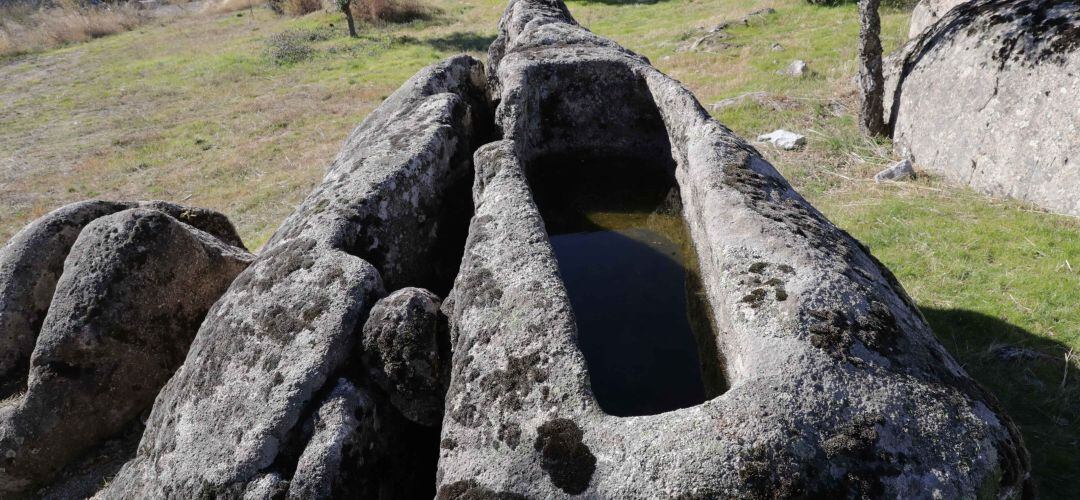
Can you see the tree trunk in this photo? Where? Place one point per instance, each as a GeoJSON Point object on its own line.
{"type": "Point", "coordinates": [346, 7]}
{"type": "Point", "coordinates": [871, 81]}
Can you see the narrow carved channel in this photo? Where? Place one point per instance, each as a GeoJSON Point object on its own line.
{"type": "Point", "coordinates": [626, 259]}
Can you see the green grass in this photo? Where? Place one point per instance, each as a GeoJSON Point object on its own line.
{"type": "Point", "coordinates": [196, 112]}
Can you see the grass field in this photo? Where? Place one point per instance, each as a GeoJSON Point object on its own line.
{"type": "Point", "coordinates": [241, 112]}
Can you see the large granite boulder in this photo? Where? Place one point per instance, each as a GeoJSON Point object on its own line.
{"type": "Point", "coordinates": [989, 96]}
{"type": "Point", "coordinates": [927, 12]}
{"type": "Point", "coordinates": [108, 296]}
{"type": "Point", "coordinates": [391, 212]}
{"type": "Point", "coordinates": [32, 261]}
{"type": "Point", "coordinates": [838, 387]}
{"type": "Point", "coordinates": [406, 351]}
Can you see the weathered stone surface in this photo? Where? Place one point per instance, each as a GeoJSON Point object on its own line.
{"type": "Point", "coordinates": [797, 68]}
{"type": "Point", "coordinates": [31, 263]}
{"type": "Point", "coordinates": [927, 12]}
{"type": "Point", "coordinates": [1006, 119]}
{"type": "Point", "coordinates": [784, 139]}
{"type": "Point", "coordinates": [406, 350]}
{"type": "Point", "coordinates": [343, 430]}
{"type": "Point", "coordinates": [134, 288]}
{"type": "Point", "coordinates": [713, 41]}
{"type": "Point", "coordinates": [898, 171]}
{"type": "Point", "coordinates": [391, 211]}
{"type": "Point", "coordinates": [837, 390]}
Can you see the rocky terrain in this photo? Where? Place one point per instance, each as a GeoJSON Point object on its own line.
{"type": "Point", "coordinates": [406, 332]}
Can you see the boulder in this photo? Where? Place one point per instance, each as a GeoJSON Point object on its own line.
{"type": "Point", "coordinates": [838, 387]}
{"type": "Point", "coordinates": [783, 139]}
{"type": "Point", "coordinates": [134, 287]}
{"type": "Point", "coordinates": [392, 211]}
{"type": "Point", "coordinates": [797, 69]}
{"type": "Point", "coordinates": [406, 351]}
{"type": "Point", "coordinates": [342, 429]}
{"type": "Point", "coordinates": [1006, 120]}
{"type": "Point", "coordinates": [32, 261]}
{"type": "Point", "coordinates": [898, 171]}
{"type": "Point", "coordinates": [927, 12]}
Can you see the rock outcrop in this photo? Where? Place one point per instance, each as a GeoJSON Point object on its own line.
{"type": "Point", "coordinates": [390, 213]}
{"type": "Point", "coordinates": [1006, 120]}
{"type": "Point", "coordinates": [100, 302]}
{"type": "Point", "coordinates": [837, 389]}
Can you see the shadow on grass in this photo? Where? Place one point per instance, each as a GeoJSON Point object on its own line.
{"type": "Point", "coordinates": [460, 41]}
{"type": "Point", "coordinates": [1032, 377]}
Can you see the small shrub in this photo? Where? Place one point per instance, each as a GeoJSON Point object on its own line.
{"type": "Point", "coordinates": [293, 46]}
{"type": "Point", "coordinates": [389, 11]}
{"type": "Point", "coordinates": [295, 7]}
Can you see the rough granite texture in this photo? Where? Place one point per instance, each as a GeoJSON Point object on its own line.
{"type": "Point", "coordinates": [406, 350]}
{"type": "Point", "coordinates": [31, 263]}
{"type": "Point", "coordinates": [337, 436]}
{"type": "Point", "coordinates": [838, 390]}
{"type": "Point", "coordinates": [1006, 121]}
{"type": "Point", "coordinates": [927, 12]}
{"type": "Point", "coordinates": [226, 424]}
{"type": "Point", "coordinates": [134, 286]}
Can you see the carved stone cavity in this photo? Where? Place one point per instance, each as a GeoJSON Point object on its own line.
{"type": "Point", "coordinates": [837, 385]}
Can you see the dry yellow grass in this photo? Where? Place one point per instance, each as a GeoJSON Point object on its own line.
{"type": "Point", "coordinates": [388, 11]}
{"type": "Point", "coordinates": [26, 29]}
{"type": "Point", "coordinates": [230, 6]}
{"type": "Point", "coordinates": [295, 7]}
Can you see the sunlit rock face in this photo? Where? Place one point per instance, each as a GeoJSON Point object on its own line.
{"type": "Point", "coordinates": [987, 96]}
{"type": "Point", "coordinates": [927, 12]}
{"type": "Point", "coordinates": [556, 277]}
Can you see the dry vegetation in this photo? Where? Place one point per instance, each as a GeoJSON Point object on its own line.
{"type": "Point", "coordinates": [27, 28]}
{"type": "Point", "coordinates": [224, 6]}
{"type": "Point", "coordinates": [389, 11]}
{"type": "Point", "coordinates": [294, 7]}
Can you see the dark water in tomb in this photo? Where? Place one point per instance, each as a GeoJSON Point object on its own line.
{"type": "Point", "coordinates": [630, 272]}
